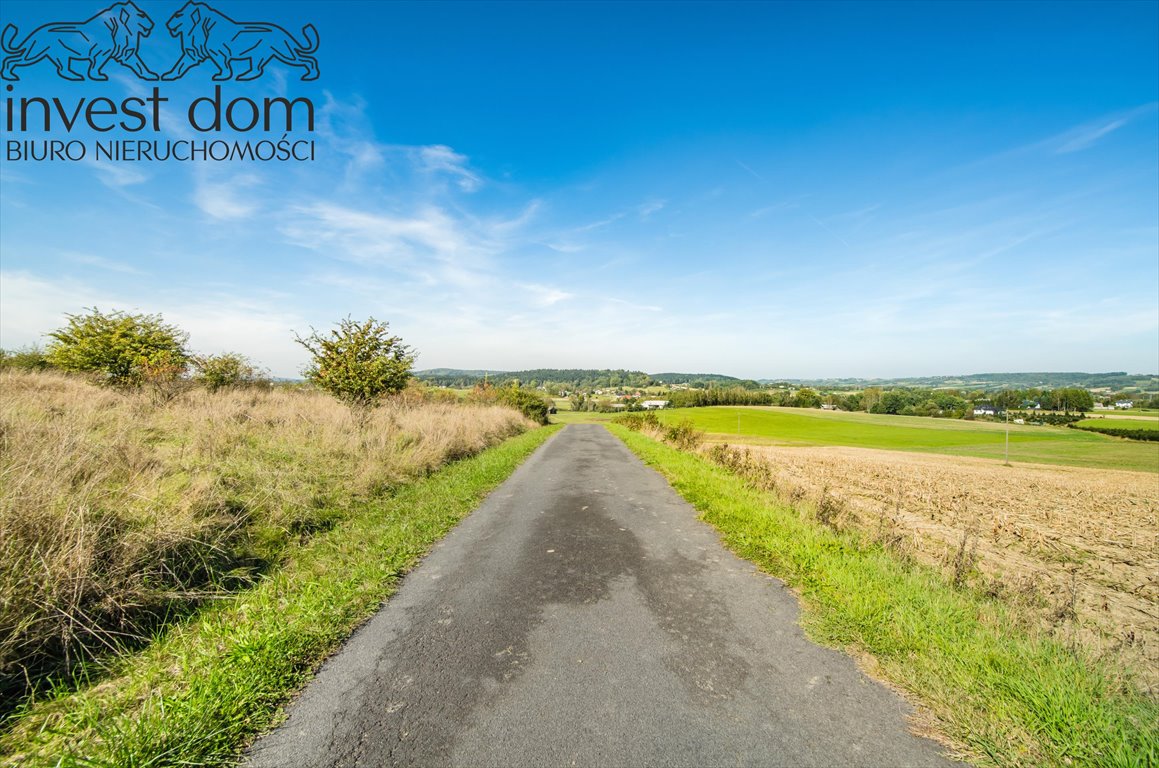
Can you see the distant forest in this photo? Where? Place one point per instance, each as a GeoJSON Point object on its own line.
{"type": "Point", "coordinates": [586, 379]}
{"type": "Point", "coordinates": [991, 382]}
{"type": "Point", "coordinates": [578, 378]}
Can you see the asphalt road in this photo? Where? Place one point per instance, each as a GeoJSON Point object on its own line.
{"type": "Point", "coordinates": [584, 616]}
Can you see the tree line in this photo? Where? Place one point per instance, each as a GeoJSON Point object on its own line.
{"type": "Point", "coordinates": [359, 362]}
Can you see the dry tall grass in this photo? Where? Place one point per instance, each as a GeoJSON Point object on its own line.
{"type": "Point", "coordinates": [117, 514]}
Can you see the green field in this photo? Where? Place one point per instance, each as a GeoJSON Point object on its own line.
{"type": "Point", "coordinates": [1118, 422]}
{"type": "Point", "coordinates": [795, 426]}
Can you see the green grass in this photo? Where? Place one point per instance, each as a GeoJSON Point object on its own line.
{"type": "Point", "coordinates": [795, 426]}
{"type": "Point", "coordinates": [581, 417]}
{"type": "Point", "coordinates": [1121, 424]}
{"type": "Point", "coordinates": [199, 692]}
{"type": "Point", "coordinates": [1008, 697]}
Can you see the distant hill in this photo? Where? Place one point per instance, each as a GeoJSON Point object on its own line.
{"type": "Point", "coordinates": [435, 372]}
{"type": "Point", "coordinates": [574, 378]}
{"type": "Point", "coordinates": [603, 378]}
{"type": "Point", "coordinates": [684, 378]}
{"type": "Point", "coordinates": [1115, 380]}
{"type": "Point", "coordinates": [579, 378]}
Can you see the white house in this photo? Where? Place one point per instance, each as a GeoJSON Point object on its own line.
{"type": "Point", "coordinates": [1124, 404]}
{"type": "Point", "coordinates": [985, 409]}
{"type": "Point", "coordinates": [653, 405]}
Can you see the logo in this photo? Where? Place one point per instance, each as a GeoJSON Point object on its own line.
{"type": "Point", "coordinates": [115, 34]}
{"type": "Point", "coordinates": [111, 35]}
{"type": "Point", "coordinates": [208, 34]}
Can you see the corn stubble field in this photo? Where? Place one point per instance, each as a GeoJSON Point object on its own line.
{"type": "Point", "coordinates": [1076, 547]}
{"type": "Point", "coordinates": [119, 513]}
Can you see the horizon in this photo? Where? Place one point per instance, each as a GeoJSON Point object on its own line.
{"type": "Point", "coordinates": [477, 371]}
{"type": "Point", "coordinates": [815, 188]}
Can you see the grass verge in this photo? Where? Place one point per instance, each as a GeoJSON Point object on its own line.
{"type": "Point", "coordinates": [1002, 692]}
{"type": "Point", "coordinates": [202, 690]}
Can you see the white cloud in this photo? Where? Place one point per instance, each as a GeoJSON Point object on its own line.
{"type": "Point", "coordinates": [1086, 136]}
{"type": "Point", "coordinates": [381, 237]}
{"type": "Point", "coordinates": [115, 175]}
{"type": "Point", "coordinates": [262, 331]}
{"type": "Point", "coordinates": [230, 199]}
{"type": "Point", "coordinates": [102, 263]}
{"type": "Point", "coordinates": [31, 306]}
{"type": "Point", "coordinates": [545, 295]}
{"type": "Point", "coordinates": [650, 207]}
{"type": "Point", "coordinates": [439, 158]}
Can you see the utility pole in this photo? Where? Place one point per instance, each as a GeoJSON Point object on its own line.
{"type": "Point", "coordinates": [1008, 437]}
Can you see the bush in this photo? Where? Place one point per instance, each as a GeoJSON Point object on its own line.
{"type": "Point", "coordinates": [230, 369]}
{"type": "Point", "coordinates": [120, 348]}
{"type": "Point", "coordinates": [358, 363]}
{"type": "Point", "coordinates": [638, 421]}
{"type": "Point", "coordinates": [684, 435]}
{"type": "Point", "coordinates": [528, 403]}
{"type": "Point", "coordinates": [1051, 419]}
{"type": "Point", "coordinates": [25, 359]}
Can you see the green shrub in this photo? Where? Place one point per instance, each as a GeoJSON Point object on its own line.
{"type": "Point", "coordinates": [230, 369]}
{"type": "Point", "coordinates": [358, 363]}
{"type": "Point", "coordinates": [526, 402]}
{"type": "Point", "coordinates": [120, 348]}
{"type": "Point", "coordinates": [25, 359]}
{"type": "Point", "coordinates": [638, 421]}
{"type": "Point", "coordinates": [684, 435]}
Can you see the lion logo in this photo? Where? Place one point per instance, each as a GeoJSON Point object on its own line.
{"type": "Point", "coordinates": [208, 34]}
{"type": "Point", "coordinates": [111, 35]}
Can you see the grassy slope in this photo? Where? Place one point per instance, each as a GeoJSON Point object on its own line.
{"type": "Point", "coordinates": [1009, 698]}
{"type": "Point", "coordinates": [1046, 445]}
{"type": "Point", "coordinates": [200, 692]}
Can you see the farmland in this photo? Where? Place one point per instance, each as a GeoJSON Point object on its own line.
{"type": "Point", "coordinates": [1078, 547]}
{"type": "Point", "coordinates": [1000, 663]}
{"type": "Point", "coordinates": [1068, 531]}
{"type": "Point", "coordinates": [1033, 444]}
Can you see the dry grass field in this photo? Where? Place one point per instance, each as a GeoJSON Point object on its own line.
{"type": "Point", "coordinates": [119, 514]}
{"type": "Point", "coordinates": [1079, 547]}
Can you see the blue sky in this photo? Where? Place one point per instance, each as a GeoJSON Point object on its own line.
{"type": "Point", "coordinates": [762, 190]}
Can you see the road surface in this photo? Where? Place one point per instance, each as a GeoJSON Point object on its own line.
{"type": "Point", "coordinates": [584, 616]}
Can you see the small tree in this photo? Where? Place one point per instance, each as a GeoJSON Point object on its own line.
{"type": "Point", "coordinates": [230, 369]}
{"type": "Point", "coordinates": [358, 363]}
{"type": "Point", "coordinates": [124, 349]}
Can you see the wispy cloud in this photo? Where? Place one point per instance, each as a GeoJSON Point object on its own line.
{"type": "Point", "coordinates": [230, 199]}
{"type": "Point", "coordinates": [646, 209]}
{"type": "Point", "coordinates": [750, 170]}
{"type": "Point", "coordinates": [633, 305]}
{"type": "Point", "coordinates": [102, 263]}
{"type": "Point", "coordinates": [1086, 136]}
{"type": "Point", "coordinates": [1090, 133]}
{"type": "Point", "coordinates": [115, 175]}
{"type": "Point", "coordinates": [545, 295]}
{"type": "Point", "coordinates": [442, 159]}
{"type": "Point", "coordinates": [600, 223]}
{"type": "Point", "coordinates": [784, 205]}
